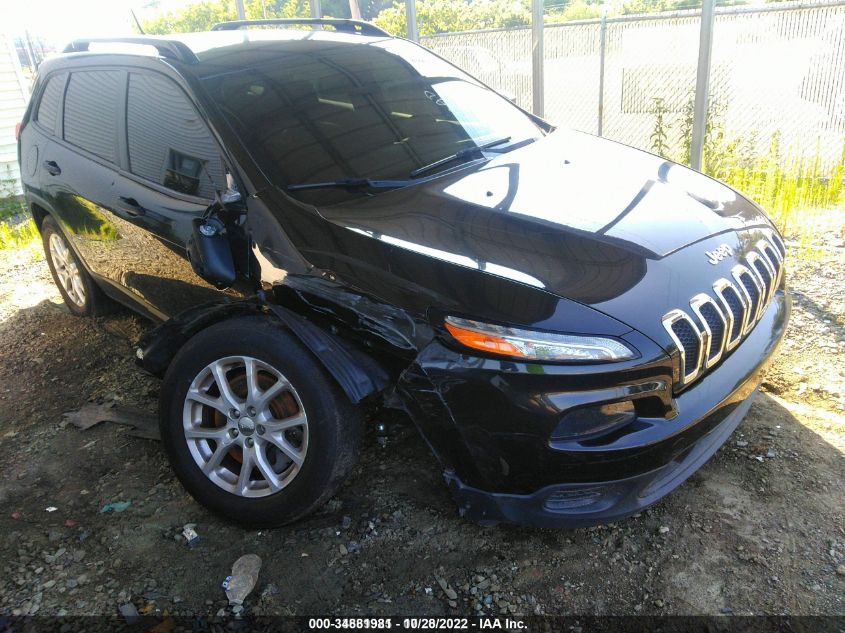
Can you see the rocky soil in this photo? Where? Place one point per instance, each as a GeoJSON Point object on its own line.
{"type": "Point", "coordinates": [758, 530]}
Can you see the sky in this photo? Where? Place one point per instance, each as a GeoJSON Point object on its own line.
{"type": "Point", "coordinates": [60, 21]}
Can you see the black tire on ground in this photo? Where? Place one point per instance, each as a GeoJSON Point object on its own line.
{"type": "Point", "coordinates": [333, 431]}
{"type": "Point", "coordinates": [95, 302]}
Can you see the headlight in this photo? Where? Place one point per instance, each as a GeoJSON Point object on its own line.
{"type": "Point", "coordinates": [531, 345]}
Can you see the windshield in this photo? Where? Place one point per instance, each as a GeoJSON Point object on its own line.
{"type": "Point", "coordinates": [329, 110]}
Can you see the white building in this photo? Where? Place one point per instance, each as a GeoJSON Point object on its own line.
{"type": "Point", "coordinates": [14, 95]}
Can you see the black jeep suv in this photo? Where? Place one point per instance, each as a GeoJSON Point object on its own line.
{"type": "Point", "coordinates": [328, 220]}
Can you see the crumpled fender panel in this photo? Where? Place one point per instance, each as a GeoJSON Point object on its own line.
{"type": "Point", "coordinates": [357, 374]}
{"type": "Point", "coordinates": [462, 450]}
{"type": "Point", "coordinates": [158, 346]}
{"type": "Point", "coordinates": [424, 404]}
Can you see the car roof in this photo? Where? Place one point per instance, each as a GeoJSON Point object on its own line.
{"type": "Point", "coordinates": [219, 51]}
{"type": "Point", "coordinates": [215, 51]}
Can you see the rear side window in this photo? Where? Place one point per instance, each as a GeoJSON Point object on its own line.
{"type": "Point", "coordinates": [92, 107]}
{"type": "Point", "coordinates": [169, 142]}
{"type": "Point", "coordinates": [48, 108]}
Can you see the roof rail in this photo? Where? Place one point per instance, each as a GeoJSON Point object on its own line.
{"type": "Point", "coordinates": [169, 49]}
{"type": "Point", "coordinates": [342, 25]}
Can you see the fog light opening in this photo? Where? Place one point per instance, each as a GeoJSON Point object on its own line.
{"type": "Point", "coordinates": [571, 499]}
{"type": "Point", "coordinates": [594, 421]}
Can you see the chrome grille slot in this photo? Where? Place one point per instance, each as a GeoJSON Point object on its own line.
{"type": "Point", "coordinates": [734, 303]}
{"type": "Point", "coordinates": [689, 341]}
{"type": "Point", "coordinates": [750, 288]}
{"type": "Point", "coordinates": [779, 245]}
{"type": "Point", "coordinates": [765, 275]}
{"type": "Point", "coordinates": [713, 325]}
{"type": "Point", "coordinates": [717, 322]}
{"type": "Point", "coordinates": [772, 256]}
{"type": "Point", "coordinates": [688, 338]}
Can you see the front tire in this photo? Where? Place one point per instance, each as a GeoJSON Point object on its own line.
{"type": "Point", "coordinates": [253, 427]}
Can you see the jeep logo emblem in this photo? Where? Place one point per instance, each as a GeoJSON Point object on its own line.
{"type": "Point", "coordinates": [718, 254]}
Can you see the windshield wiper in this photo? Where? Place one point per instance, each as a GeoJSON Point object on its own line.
{"type": "Point", "coordinates": [462, 154]}
{"type": "Point", "coordinates": [353, 183]}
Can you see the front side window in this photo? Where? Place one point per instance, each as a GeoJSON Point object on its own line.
{"type": "Point", "coordinates": [48, 108]}
{"type": "Point", "coordinates": [168, 141]}
{"type": "Point", "coordinates": [378, 111]}
{"type": "Point", "coordinates": [92, 108]}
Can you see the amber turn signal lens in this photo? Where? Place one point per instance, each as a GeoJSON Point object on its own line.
{"type": "Point", "coordinates": [484, 342]}
{"type": "Point", "coordinates": [533, 345]}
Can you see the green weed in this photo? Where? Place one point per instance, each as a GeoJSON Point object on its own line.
{"type": "Point", "coordinates": [789, 183]}
{"type": "Point", "coordinates": [18, 235]}
{"type": "Point", "coordinates": [786, 184]}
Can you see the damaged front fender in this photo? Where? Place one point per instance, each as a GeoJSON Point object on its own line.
{"type": "Point", "coordinates": [356, 373]}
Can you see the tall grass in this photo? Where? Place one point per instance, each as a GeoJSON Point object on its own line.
{"type": "Point", "coordinates": [787, 183]}
{"type": "Point", "coordinates": [18, 235]}
{"type": "Point", "coordinates": [16, 227]}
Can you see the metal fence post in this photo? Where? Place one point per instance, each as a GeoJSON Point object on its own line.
{"type": "Point", "coordinates": [537, 56]}
{"type": "Point", "coordinates": [411, 20]}
{"type": "Point", "coordinates": [702, 85]}
{"type": "Point", "coordinates": [602, 53]}
{"type": "Point", "coordinates": [316, 9]}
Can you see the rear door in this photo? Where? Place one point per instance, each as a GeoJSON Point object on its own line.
{"type": "Point", "coordinates": [38, 133]}
{"type": "Point", "coordinates": [80, 164]}
{"type": "Point", "coordinates": [174, 168]}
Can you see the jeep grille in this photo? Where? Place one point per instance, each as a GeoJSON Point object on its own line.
{"type": "Point", "coordinates": [717, 321]}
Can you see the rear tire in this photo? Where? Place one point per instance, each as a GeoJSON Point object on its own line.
{"type": "Point", "coordinates": [277, 412]}
{"type": "Point", "coordinates": [80, 292]}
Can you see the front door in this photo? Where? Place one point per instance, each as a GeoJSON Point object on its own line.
{"type": "Point", "coordinates": [174, 168]}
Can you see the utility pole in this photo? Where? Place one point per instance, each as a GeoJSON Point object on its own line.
{"type": "Point", "coordinates": [602, 59]}
{"type": "Point", "coordinates": [411, 20]}
{"type": "Point", "coordinates": [702, 85]}
{"type": "Point", "coordinates": [239, 7]}
{"type": "Point", "coordinates": [538, 99]}
{"type": "Point", "coordinates": [354, 10]}
{"type": "Point", "coordinates": [316, 9]}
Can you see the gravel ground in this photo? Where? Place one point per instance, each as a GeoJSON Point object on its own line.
{"type": "Point", "coordinates": [758, 530]}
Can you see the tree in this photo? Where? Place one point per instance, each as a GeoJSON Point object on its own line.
{"type": "Point", "coordinates": [433, 16]}
{"type": "Point", "coordinates": [574, 10]}
{"type": "Point", "coordinates": [201, 16]}
{"type": "Point", "coordinates": [444, 16]}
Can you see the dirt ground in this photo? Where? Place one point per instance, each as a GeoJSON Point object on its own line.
{"type": "Point", "coordinates": [758, 530]}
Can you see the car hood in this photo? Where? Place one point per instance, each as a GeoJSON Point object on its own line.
{"type": "Point", "coordinates": [575, 215]}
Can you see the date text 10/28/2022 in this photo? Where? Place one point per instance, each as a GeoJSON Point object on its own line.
{"type": "Point", "coordinates": [416, 624]}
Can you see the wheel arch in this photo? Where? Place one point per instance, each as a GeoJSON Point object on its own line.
{"type": "Point", "coordinates": [357, 373]}
{"type": "Point", "coordinates": [38, 214]}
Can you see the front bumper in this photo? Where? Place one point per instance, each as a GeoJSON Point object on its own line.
{"type": "Point", "coordinates": [491, 423]}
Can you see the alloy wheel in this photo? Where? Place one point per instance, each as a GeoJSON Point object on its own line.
{"type": "Point", "coordinates": [67, 270]}
{"type": "Point", "coordinates": [245, 426]}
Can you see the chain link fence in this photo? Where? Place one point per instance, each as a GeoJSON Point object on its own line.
{"type": "Point", "coordinates": [501, 58]}
{"type": "Point", "coordinates": [777, 75]}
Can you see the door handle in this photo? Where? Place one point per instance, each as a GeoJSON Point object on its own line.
{"type": "Point", "coordinates": [52, 167]}
{"type": "Point", "coordinates": [132, 207]}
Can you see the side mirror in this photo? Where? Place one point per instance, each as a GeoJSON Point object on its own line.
{"type": "Point", "coordinates": [230, 196]}
{"type": "Point", "coordinates": [210, 253]}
